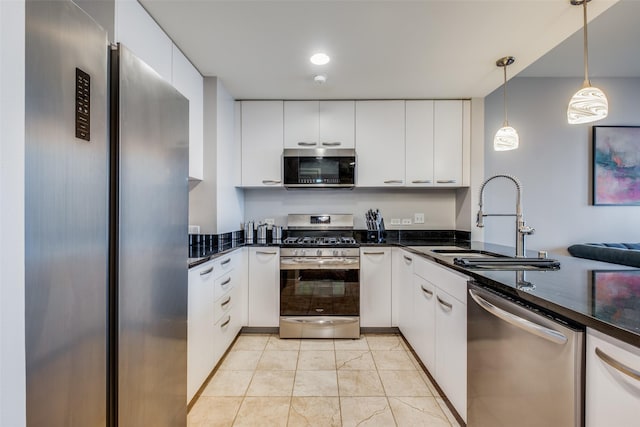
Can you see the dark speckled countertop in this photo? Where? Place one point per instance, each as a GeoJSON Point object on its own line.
{"type": "Point", "coordinates": [599, 295]}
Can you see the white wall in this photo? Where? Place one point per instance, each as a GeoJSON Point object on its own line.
{"type": "Point", "coordinates": [230, 202]}
{"type": "Point", "coordinates": [12, 356]}
{"type": "Point", "coordinates": [215, 204]}
{"type": "Point", "coordinates": [438, 206]}
{"type": "Point", "coordinates": [554, 164]}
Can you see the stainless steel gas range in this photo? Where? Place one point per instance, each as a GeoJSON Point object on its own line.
{"type": "Point", "coordinates": [320, 278]}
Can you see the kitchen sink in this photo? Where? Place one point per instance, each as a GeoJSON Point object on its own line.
{"type": "Point", "coordinates": [507, 263]}
{"type": "Point", "coordinates": [465, 253]}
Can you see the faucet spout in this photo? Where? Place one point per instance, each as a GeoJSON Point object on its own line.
{"type": "Point", "coordinates": [521, 229]}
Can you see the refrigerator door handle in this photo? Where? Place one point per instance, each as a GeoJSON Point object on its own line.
{"type": "Point", "coordinates": [519, 322]}
{"type": "Point", "coordinates": [628, 371]}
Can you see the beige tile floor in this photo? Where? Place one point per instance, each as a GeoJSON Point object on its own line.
{"type": "Point", "coordinates": [373, 381]}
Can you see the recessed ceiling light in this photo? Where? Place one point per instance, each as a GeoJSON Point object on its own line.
{"type": "Point", "coordinates": [320, 58]}
{"type": "Point", "coordinates": [320, 79]}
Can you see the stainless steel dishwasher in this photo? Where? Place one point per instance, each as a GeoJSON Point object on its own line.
{"type": "Point", "coordinates": [524, 366]}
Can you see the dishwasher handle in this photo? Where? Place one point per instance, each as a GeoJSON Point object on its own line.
{"type": "Point", "coordinates": [519, 322]}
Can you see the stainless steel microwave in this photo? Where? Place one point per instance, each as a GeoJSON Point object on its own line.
{"type": "Point", "coordinates": [319, 168]}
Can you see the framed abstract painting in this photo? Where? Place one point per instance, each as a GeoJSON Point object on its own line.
{"type": "Point", "coordinates": [616, 165]}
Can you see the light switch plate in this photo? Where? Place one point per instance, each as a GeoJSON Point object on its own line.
{"type": "Point", "coordinates": [406, 221]}
{"type": "Point", "coordinates": [395, 221]}
{"type": "Point", "coordinates": [418, 218]}
{"type": "Point", "coordinates": [269, 221]}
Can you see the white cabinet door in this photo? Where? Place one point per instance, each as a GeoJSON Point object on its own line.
{"type": "Point", "coordinates": [380, 143]}
{"type": "Point", "coordinates": [402, 290]}
{"type": "Point", "coordinates": [200, 344]}
{"type": "Point", "coordinates": [375, 287]}
{"type": "Point", "coordinates": [423, 325]}
{"type": "Point", "coordinates": [301, 124]}
{"type": "Point", "coordinates": [264, 286]}
{"type": "Point", "coordinates": [451, 349]}
{"type": "Point", "coordinates": [137, 30]}
{"type": "Point", "coordinates": [337, 124]}
{"type": "Point", "coordinates": [612, 397]}
{"type": "Point", "coordinates": [262, 143]}
{"type": "Point", "coordinates": [448, 122]}
{"type": "Point", "coordinates": [188, 81]}
{"type": "Point", "coordinates": [419, 144]}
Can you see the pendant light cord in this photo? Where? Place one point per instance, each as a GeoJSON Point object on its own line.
{"type": "Point", "coordinates": [506, 122]}
{"type": "Point", "coordinates": [585, 44]}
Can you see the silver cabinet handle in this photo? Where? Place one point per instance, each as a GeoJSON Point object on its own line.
{"type": "Point", "coordinates": [628, 371]}
{"type": "Point", "coordinates": [519, 322]}
{"type": "Point", "coordinates": [307, 144]}
{"type": "Point", "coordinates": [444, 303]}
{"type": "Point", "coordinates": [226, 322]}
{"type": "Point", "coordinates": [407, 258]}
{"type": "Point", "coordinates": [207, 271]}
{"type": "Point", "coordinates": [393, 181]}
{"type": "Point", "coordinates": [446, 181]}
{"type": "Point", "coordinates": [226, 261]}
{"type": "Point", "coordinates": [266, 253]}
{"type": "Point", "coordinates": [271, 181]}
{"type": "Point", "coordinates": [226, 302]}
{"type": "Point", "coordinates": [430, 294]}
{"type": "Point", "coordinates": [332, 144]}
{"type": "Point", "coordinates": [421, 181]}
{"type": "Point", "coordinates": [373, 253]}
{"type": "Point", "coordinates": [226, 282]}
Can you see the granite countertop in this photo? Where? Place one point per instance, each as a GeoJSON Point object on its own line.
{"type": "Point", "coordinates": [596, 294]}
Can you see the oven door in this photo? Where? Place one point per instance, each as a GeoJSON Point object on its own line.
{"type": "Point", "coordinates": [319, 168]}
{"type": "Point", "coordinates": [324, 287]}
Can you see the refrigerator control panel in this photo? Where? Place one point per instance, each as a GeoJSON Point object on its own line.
{"type": "Point", "coordinates": [83, 105]}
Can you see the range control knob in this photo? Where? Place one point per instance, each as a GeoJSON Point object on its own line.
{"type": "Point", "coordinates": [336, 252]}
{"type": "Point", "coordinates": [319, 252]}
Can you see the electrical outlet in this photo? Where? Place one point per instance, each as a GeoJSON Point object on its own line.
{"type": "Point", "coordinates": [269, 221]}
{"type": "Point", "coordinates": [395, 221]}
{"type": "Point", "coordinates": [406, 221]}
{"type": "Point", "coordinates": [418, 218]}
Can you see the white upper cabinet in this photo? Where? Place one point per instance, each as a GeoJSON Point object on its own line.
{"type": "Point", "coordinates": [437, 134]}
{"type": "Point", "coordinates": [319, 124]}
{"type": "Point", "coordinates": [448, 143]}
{"type": "Point", "coordinates": [337, 124]}
{"type": "Point", "coordinates": [301, 124]}
{"type": "Point", "coordinates": [380, 130]}
{"type": "Point", "coordinates": [419, 143]}
{"type": "Point", "coordinates": [188, 81]}
{"type": "Point", "coordinates": [141, 35]}
{"type": "Point", "coordinates": [262, 143]}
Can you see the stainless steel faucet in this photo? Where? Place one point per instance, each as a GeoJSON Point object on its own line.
{"type": "Point", "coordinates": [521, 229]}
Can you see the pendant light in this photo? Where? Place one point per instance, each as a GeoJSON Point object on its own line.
{"type": "Point", "coordinates": [589, 104]}
{"type": "Point", "coordinates": [507, 137]}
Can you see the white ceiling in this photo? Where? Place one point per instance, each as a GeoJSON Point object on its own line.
{"type": "Point", "coordinates": [379, 49]}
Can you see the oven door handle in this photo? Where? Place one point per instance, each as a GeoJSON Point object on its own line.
{"type": "Point", "coordinates": [312, 263]}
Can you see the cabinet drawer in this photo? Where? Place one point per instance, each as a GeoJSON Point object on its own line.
{"type": "Point", "coordinates": [449, 281]}
{"type": "Point", "coordinates": [225, 263]}
{"type": "Point", "coordinates": [223, 285]}
{"type": "Point", "coordinates": [223, 305]}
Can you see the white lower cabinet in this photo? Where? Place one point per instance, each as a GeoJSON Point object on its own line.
{"type": "Point", "coordinates": [264, 286]}
{"type": "Point", "coordinates": [437, 327]}
{"type": "Point", "coordinates": [216, 304]}
{"type": "Point", "coordinates": [401, 286]}
{"type": "Point", "coordinates": [423, 328]}
{"type": "Point", "coordinates": [451, 349]}
{"type": "Point", "coordinates": [375, 287]}
{"type": "Point", "coordinates": [201, 317]}
{"type": "Point", "coordinates": [612, 395]}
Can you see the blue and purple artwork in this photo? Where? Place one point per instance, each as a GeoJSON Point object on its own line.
{"type": "Point", "coordinates": [616, 165]}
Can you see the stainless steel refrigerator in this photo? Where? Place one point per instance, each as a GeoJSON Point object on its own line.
{"type": "Point", "coordinates": [106, 223]}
